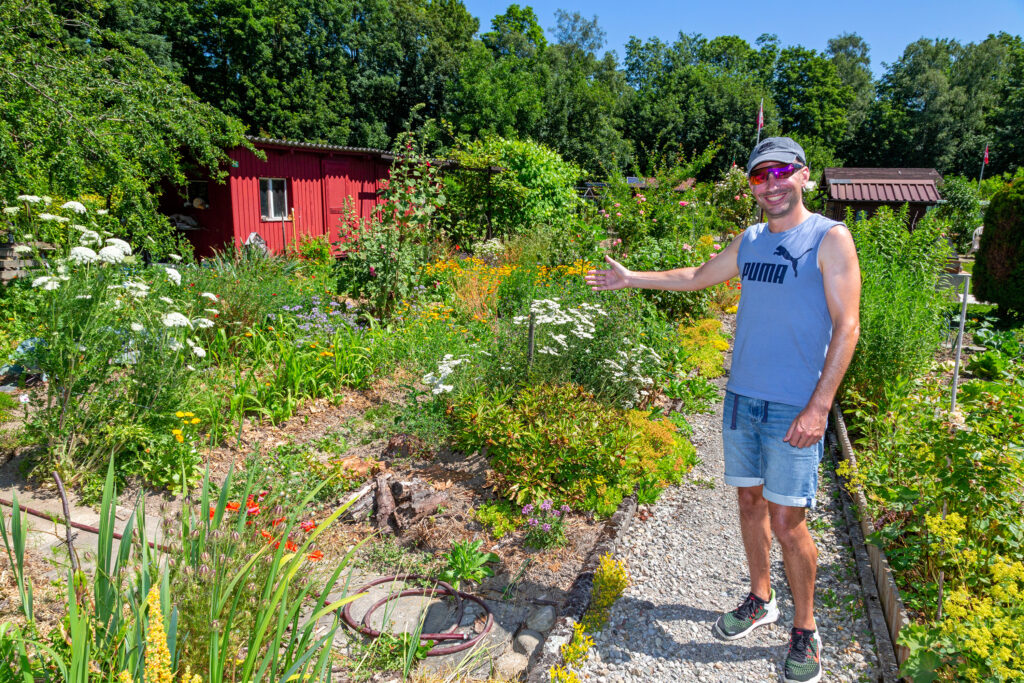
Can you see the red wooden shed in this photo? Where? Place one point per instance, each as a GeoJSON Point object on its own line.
{"type": "Point", "coordinates": [300, 189]}
{"type": "Point", "coordinates": [867, 189]}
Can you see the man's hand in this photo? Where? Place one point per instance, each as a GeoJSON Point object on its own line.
{"type": "Point", "coordinates": [616, 277]}
{"type": "Point", "coordinates": [808, 427]}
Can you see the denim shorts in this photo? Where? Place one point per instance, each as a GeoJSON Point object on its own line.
{"type": "Point", "coordinates": [755, 454]}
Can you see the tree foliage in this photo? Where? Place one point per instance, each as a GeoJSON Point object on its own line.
{"type": "Point", "coordinates": [999, 268]}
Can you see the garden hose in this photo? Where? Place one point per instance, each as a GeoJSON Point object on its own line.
{"type": "Point", "coordinates": [440, 589]}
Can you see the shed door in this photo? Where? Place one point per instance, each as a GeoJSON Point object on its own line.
{"type": "Point", "coordinates": [343, 178]}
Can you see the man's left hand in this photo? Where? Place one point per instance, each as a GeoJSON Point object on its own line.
{"type": "Point", "coordinates": [808, 427]}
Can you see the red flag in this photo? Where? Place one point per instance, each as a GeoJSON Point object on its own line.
{"type": "Point", "coordinates": [986, 155]}
{"type": "Point", "coordinates": [760, 115]}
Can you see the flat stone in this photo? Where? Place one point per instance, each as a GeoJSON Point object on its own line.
{"type": "Point", "coordinates": [511, 665]}
{"type": "Point", "coordinates": [527, 642]}
{"type": "Point", "coordinates": [542, 619]}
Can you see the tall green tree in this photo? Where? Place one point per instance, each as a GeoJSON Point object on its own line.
{"type": "Point", "coordinates": [810, 95]}
{"type": "Point", "coordinates": [851, 56]}
{"type": "Point", "coordinates": [98, 118]}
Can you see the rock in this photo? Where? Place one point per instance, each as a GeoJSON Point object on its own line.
{"type": "Point", "coordinates": [511, 665]}
{"type": "Point", "coordinates": [527, 642]}
{"type": "Point", "coordinates": [542, 619]}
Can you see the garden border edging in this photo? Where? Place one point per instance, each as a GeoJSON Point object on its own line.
{"type": "Point", "coordinates": [893, 611]}
{"type": "Point", "coordinates": [578, 598]}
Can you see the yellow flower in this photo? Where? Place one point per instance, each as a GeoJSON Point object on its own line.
{"type": "Point", "coordinates": [179, 438]}
{"type": "Point", "coordinates": [176, 432]}
{"type": "Point", "coordinates": [194, 420]}
{"type": "Point", "coordinates": [187, 414]}
{"type": "Point", "coordinates": [158, 658]}
{"type": "Point", "coordinates": [179, 414]}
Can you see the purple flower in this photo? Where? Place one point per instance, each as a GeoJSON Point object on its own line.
{"type": "Point", "coordinates": [566, 509]}
{"type": "Point", "coordinates": [546, 527]}
{"type": "Point", "coordinates": [528, 508]}
{"type": "Point", "coordinates": [532, 521]}
{"type": "Point", "coordinates": [546, 505]}
{"type": "Point", "coordinates": [555, 513]}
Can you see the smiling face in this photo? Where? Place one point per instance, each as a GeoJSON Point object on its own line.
{"type": "Point", "coordinates": [779, 197]}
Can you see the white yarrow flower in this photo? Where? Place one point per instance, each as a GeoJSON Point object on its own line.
{"type": "Point", "coordinates": [22, 249]}
{"type": "Point", "coordinates": [136, 327]}
{"type": "Point", "coordinates": [167, 300]}
{"type": "Point", "coordinates": [199, 351]}
{"type": "Point", "coordinates": [174, 257]}
{"type": "Point", "coordinates": [212, 311]}
{"type": "Point", "coordinates": [125, 248]}
{"type": "Point", "coordinates": [30, 198]}
{"type": "Point", "coordinates": [202, 322]}
{"type": "Point", "coordinates": [210, 296]}
{"type": "Point", "coordinates": [175, 319]}
{"type": "Point", "coordinates": [77, 207]}
{"type": "Point", "coordinates": [84, 296]}
{"type": "Point", "coordinates": [111, 255]}
{"type": "Point", "coordinates": [82, 255]}
{"type": "Point", "coordinates": [136, 289]}
{"type": "Point", "coordinates": [101, 212]}
{"type": "Point", "coordinates": [90, 238]}
{"type": "Point", "coordinates": [173, 275]}
{"type": "Point", "coordinates": [11, 210]}
{"type": "Point", "coordinates": [175, 345]}
{"type": "Point", "coordinates": [46, 200]}
{"type": "Point", "coordinates": [51, 217]}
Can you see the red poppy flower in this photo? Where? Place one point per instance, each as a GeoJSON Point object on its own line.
{"type": "Point", "coordinates": [275, 522]}
{"type": "Point", "coordinates": [212, 511]}
{"type": "Point", "coordinates": [266, 534]}
{"type": "Point", "coordinates": [290, 547]}
{"type": "Point", "coordinates": [308, 525]}
{"type": "Point", "coordinates": [315, 556]}
{"type": "Point", "coordinates": [253, 511]}
{"type": "Point", "coordinates": [233, 505]}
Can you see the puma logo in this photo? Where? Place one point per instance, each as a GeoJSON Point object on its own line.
{"type": "Point", "coordinates": [781, 251]}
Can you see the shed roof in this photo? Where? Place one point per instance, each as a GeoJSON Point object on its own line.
{"type": "Point", "coordinates": [883, 185]}
{"type": "Point", "coordinates": [315, 146]}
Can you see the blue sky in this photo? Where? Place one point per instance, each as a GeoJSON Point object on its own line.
{"type": "Point", "coordinates": [887, 26]}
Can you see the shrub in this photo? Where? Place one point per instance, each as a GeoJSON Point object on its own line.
{"type": "Point", "coordinates": [650, 253]}
{"type": "Point", "coordinates": [999, 266]}
{"type": "Point", "coordinates": [701, 343]}
{"type": "Point", "coordinates": [962, 209]}
{"type": "Point", "coordinates": [902, 315]}
{"type": "Point", "coordinates": [535, 187]}
{"type": "Point", "coordinates": [558, 443]}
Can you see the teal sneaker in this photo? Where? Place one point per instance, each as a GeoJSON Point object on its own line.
{"type": "Point", "coordinates": [752, 613]}
{"type": "Point", "coordinates": [803, 663]}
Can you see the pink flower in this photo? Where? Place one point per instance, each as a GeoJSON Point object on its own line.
{"type": "Point", "coordinates": [618, 213]}
{"type": "Point", "coordinates": [737, 197]}
{"type": "Point", "coordinates": [373, 272]}
{"type": "Point", "coordinates": [641, 212]}
{"type": "Point", "coordinates": [713, 256]}
{"type": "Point", "coordinates": [683, 202]}
{"type": "Point", "coordinates": [616, 205]}
{"type": "Point", "coordinates": [717, 247]}
{"type": "Point", "coordinates": [687, 247]}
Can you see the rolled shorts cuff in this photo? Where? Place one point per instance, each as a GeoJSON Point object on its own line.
{"type": "Point", "coordinates": [744, 481]}
{"type": "Point", "coordinates": [788, 501]}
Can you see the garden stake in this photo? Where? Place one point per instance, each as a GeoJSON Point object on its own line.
{"type": "Point", "coordinates": [529, 340]}
{"type": "Point", "coordinates": [67, 527]}
{"type": "Point", "coordinates": [966, 277]}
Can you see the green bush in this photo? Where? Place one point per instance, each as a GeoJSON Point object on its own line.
{"type": "Point", "coordinates": [559, 443]}
{"type": "Point", "coordinates": [999, 266]}
{"type": "Point", "coordinates": [651, 253]}
{"type": "Point", "coordinates": [962, 209]}
{"type": "Point", "coordinates": [535, 187]}
{"type": "Point", "coordinates": [902, 315]}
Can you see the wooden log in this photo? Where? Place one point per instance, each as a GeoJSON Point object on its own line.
{"type": "Point", "coordinates": [385, 502]}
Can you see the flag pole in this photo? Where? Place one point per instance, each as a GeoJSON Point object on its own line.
{"type": "Point", "coordinates": [984, 161]}
{"type": "Point", "coordinates": [760, 121]}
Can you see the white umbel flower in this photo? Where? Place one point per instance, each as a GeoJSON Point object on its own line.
{"type": "Point", "coordinates": [22, 249]}
{"type": "Point", "coordinates": [136, 289]}
{"type": "Point", "coordinates": [175, 319]}
{"type": "Point", "coordinates": [46, 282]}
{"type": "Point", "coordinates": [82, 255]}
{"type": "Point", "coordinates": [51, 217]}
{"type": "Point", "coordinates": [175, 345]}
{"type": "Point", "coordinates": [11, 210]}
{"type": "Point", "coordinates": [90, 238]}
{"type": "Point", "coordinates": [101, 212]}
{"type": "Point", "coordinates": [174, 257]}
{"type": "Point", "coordinates": [30, 198]}
{"type": "Point", "coordinates": [209, 295]}
{"type": "Point", "coordinates": [125, 248]}
{"type": "Point", "coordinates": [111, 255]}
{"type": "Point", "coordinates": [77, 207]}
{"type": "Point", "coordinates": [167, 300]}
{"type": "Point", "coordinates": [173, 275]}
{"type": "Point", "coordinates": [137, 327]}
{"type": "Point", "coordinates": [202, 323]}
{"type": "Point", "coordinates": [199, 351]}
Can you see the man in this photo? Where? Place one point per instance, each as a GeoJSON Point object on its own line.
{"type": "Point", "coordinates": [796, 328]}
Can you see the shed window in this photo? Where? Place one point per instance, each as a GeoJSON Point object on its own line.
{"type": "Point", "coordinates": [273, 199]}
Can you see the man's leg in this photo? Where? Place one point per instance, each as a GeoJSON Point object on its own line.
{"type": "Point", "coordinates": [800, 556]}
{"type": "Point", "coordinates": [757, 538]}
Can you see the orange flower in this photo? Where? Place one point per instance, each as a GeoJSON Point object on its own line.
{"type": "Point", "coordinates": [212, 511]}
{"type": "Point", "coordinates": [308, 525]}
{"type": "Point", "coordinates": [290, 547]}
{"type": "Point", "coordinates": [233, 505]}
{"type": "Point", "coordinates": [266, 534]}
{"type": "Point", "coordinates": [315, 556]}
{"type": "Point", "coordinates": [275, 522]}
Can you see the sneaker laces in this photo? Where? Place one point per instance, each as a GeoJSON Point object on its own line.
{"type": "Point", "coordinates": [799, 643]}
{"type": "Point", "coordinates": [749, 607]}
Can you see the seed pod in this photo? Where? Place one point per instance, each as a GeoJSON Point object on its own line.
{"type": "Point", "coordinates": [195, 534]}
{"type": "Point", "coordinates": [204, 557]}
{"type": "Point", "coordinates": [204, 571]}
{"type": "Point", "coordinates": [235, 536]}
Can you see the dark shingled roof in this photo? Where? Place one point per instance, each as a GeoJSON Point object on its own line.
{"type": "Point", "coordinates": [318, 146]}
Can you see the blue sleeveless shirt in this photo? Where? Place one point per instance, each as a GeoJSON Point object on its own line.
{"type": "Point", "coordinates": [783, 327]}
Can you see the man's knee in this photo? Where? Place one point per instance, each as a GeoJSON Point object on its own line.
{"type": "Point", "coordinates": [788, 525]}
{"type": "Point", "coordinates": [751, 498]}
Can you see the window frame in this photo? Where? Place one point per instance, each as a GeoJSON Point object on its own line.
{"type": "Point", "coordinates": [274, 218]}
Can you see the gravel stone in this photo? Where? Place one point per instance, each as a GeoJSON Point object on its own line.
{"type": "Point", "coordinates": [542, 619]}
{"type": "Point", "coordinates": [687, 566]}
{"type": "Point", "coordinates": [527, 642]}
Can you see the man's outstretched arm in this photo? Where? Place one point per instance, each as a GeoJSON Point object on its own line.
{"type": "Point", "coordinates": [715, 270]}
{"type": "Point", "coordinates": [841, 274]}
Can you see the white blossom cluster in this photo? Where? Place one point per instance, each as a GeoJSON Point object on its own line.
{"type": "Point", "coordinates": [580, 321]}
{"type": "Point", "coordinates": [489, 250]}
{"type": "Point", "coordinates": [628, 369]}
{"type": "Point", "coordinates": [445, 368]}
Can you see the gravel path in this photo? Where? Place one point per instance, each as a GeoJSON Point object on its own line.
{"type": "Point", "coordinates": [687, 565]}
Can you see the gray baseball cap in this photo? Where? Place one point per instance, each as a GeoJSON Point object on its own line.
{"type": "Point", "coordinates": [783, 150]}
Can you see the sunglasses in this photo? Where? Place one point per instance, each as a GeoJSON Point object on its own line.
{"type": "Point", "coordinates": [780, 173]}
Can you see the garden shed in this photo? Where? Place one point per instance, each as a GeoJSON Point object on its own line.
{"type": "Point", "coordinates": [867, 189]}
{"type": "Point", "coordinates": [299, 190]}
